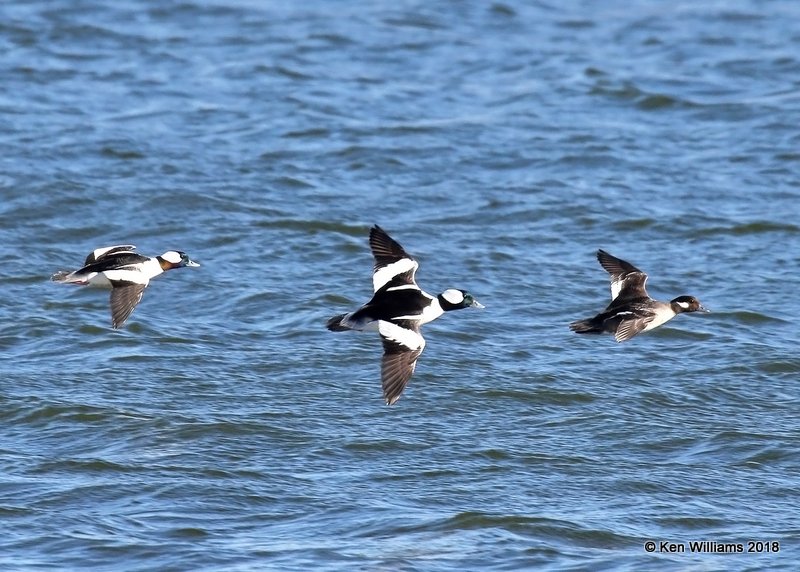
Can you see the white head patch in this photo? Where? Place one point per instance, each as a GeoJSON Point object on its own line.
{"type": "Point", "coordinates": [684, 305]}
{"type": "Point", "coordinates": [453, 296]}
{"type": "Point", "coordinates": [172, 257]}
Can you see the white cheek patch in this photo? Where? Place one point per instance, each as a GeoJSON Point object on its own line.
{"type": "Point", "coordinates": [453, 296]}
{"type": "Point", "coordinates": [684, 305]}
{"type": "Point", "coordinates": [172, 257]}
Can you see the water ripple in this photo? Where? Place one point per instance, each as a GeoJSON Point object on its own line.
{"type": "Point", "coordinates": [224, 428]}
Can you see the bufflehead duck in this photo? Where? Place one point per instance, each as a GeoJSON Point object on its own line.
{"type": "Point", "coordinates": [125, 272]}
{"type": "Point", "coordinates": [397, 310]}
{"type": "Point", "coordinates": [631, 310]}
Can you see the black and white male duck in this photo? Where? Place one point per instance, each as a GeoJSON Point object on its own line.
{"type": "Point", "coordinates": [125, 272]}
{"type": "Point", "coordinates": [397, 311]}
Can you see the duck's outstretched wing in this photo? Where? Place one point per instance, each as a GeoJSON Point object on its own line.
{"type": "Point", "coordinates": [393, 265]}
{"type": "Point", "coordinates": [627, 281]}
{"type": "Point", "coordinates": [124, 298]}
{"type": "Point", "coordinates": [402, 345]}
{"type": "Point", "coordinates": [624, 325]}
{"type": "Point", "coordinates": [99, 253]}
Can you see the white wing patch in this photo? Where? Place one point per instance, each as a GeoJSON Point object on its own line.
{"type": "Point", "coordinates": [616, 286]}
{"type": "Point", "coordinates": [385, 274]}
{"type": "Point", "coordinates": [619, 282]}
{"type": "Point", "coordinates": [407, 338]}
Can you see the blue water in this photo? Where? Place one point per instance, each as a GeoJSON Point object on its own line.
{"type": "Point", "coordinates": [500, 143]}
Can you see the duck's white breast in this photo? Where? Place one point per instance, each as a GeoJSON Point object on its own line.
{"type": "Point", "coordinates": [662, 316]}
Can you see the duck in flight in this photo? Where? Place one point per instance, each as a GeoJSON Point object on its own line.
{"type": "Point", "coordinates": [125, 271]}
{"type": "Point", "coordinates": [397, 311]}
{"type": "Point", "coordinates": [632, 310]}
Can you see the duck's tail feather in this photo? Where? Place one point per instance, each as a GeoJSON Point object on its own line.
{"type": "Point", "coordinates": [337, 324]}
{"type": "Point", "coordinates": [61, 276]}
{"type": "Point", "coordinates": [588, 326]}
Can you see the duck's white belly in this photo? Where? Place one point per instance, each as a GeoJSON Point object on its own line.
{"type": "Point", "coordinates": [428, 314]}
{"type": "Point", "coordinates": [107, 278]}
{"type": "Point", "coordinates": [98, 280]}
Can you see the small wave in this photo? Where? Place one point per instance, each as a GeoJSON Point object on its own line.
{"type": "Point", "coordinates": [310, 133]}
{"type": "Point", "coordinates": [560, 531]}
{"type": "Point", "coordinates": [780, 366]}
{"type": "Point", "coordinates": [40, 413]}
{"type": "Point", "coordinates": [121, 153]}
{"type": "Point", "coordinates": [755, 227]}
{"type": "Point", "coordinates": [634, 224]}
{"type": "Point", "coordinates": [642, 99]}
{"type": "Point", "coordinates": [747, 317]}
{"type": "Point", "coordinates": [690, 523]}
{"type": "Point", "coordinates": [549, 397]}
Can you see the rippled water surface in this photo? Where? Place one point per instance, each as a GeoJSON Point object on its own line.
{"type": "Point", "coordinates": [501, 143]}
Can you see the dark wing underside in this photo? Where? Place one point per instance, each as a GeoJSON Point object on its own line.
{"type": "Point", "coordinates": [402, 345]}
{"type": "Point", "coordinates": [385, 249]}
{"type": "Point", "coordinates": [397, 367]}
{"type": "Point", "coordinates": [624, 325]}
{"type": "Point", "coordinates": [628, 329]}
{"type": "Point", "coordinates": [124, 298]}
{"type": "Point", "coordinates": [614, 265]}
